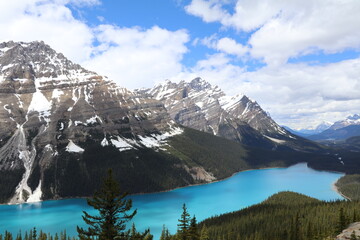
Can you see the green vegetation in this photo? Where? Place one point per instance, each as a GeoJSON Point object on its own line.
{"type": "Point", "coordinates": [113, 213]}
{"type": "Point", "coordinates": [349, 186]}
{"type": "Point", "coordinates": [285, 215]}
{"type": "Point", "coordinates": [8, 181]}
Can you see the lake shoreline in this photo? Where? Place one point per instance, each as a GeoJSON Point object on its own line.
{"type": "Point", "coordinates": [168, 190]}
{"type": "Point", "coordinates": [334, 188]}
{"type": "Point", "coordinates": [240, 190]}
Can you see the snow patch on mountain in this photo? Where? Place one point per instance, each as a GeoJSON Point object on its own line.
{"type": "Point", "coordinates": [121, 143]}
{"type": "Point", "coordinates": [228, 102]}
{"type": "Point", "coordinates": [72, 147]}
{"type": "Point", "coordinates": [279, 141]}
{"type": "Point", "coordinates": [35, 196]}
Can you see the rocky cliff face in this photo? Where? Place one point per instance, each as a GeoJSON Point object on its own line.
{"type": "Point", "coordinates": [51, 107]}
{"type": "Point", "coordinates": [63, 126]}
{"type": "Point", "coordinates": [351, 232]}
{"type": "Point", "coordinates": [199, 105]}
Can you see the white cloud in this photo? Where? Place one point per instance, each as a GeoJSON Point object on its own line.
{"type": "Point", "coordinates": [50, 21]}
{"type": "Point", "coordinates": [295, 94]}
{"type": "Point", "coordinates": [135, 57]}
{"type": "Point", "coordinates": [226, 45]}
{"type": "Point", "coordinates": [132, 57]}
{"type": "Point", "coordinates": [209, 11]}
{"type": "Point", "coordinates": [288, 28]}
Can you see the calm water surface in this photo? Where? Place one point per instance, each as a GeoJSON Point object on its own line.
{"type": "Point", "coordinates": [154, 210]}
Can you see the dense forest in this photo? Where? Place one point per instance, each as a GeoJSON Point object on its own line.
{"type": "Point", "coordinates": [349, 185]}
{"type": "Point", "coordinates": [286, 215]}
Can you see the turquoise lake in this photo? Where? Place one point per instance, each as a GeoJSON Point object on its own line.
{"type": "Point", "coordinates": [154, 210]}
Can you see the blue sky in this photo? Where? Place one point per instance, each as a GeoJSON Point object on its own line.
{"type": "Point", "coordinates": [298, 59]}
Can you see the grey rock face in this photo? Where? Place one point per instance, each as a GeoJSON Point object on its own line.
{"type": "Point", "coordinates": [48, 104]}
{"type": "Point", "coordinates": [353, 228]}
{"type": "Point", "coordinates": [199, 105]}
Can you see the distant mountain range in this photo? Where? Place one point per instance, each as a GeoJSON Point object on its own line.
{"type": "Point", "coordinates": [340, 130]}
{"type": "Point", "coordinates": [305, 132]}
{"type": "Point", "coordinates": [327, 131]}
{"type": "Point", "coordinates": [63, 126]}
{"type": "Point", "coordinates": [199, 105]}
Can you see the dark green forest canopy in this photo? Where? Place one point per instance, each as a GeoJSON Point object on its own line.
{"type": "Point", "coordinates": [286, 215]}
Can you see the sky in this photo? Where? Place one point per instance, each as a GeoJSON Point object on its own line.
{"type": "Point", "coordinates": [300, 60]}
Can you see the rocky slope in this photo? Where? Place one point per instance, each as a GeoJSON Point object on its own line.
{"type": "Point", "coordinates": [63, 126]}
{"type": "Point", "coordinates": [52, 112]}
{"type": "Point", "coordinates": [353, 230]}
{"type": "Point", "coordinates": [199, 105]}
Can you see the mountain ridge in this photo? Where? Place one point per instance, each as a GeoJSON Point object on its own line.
{"type": "Point", "coordinates": [63, 127]}
{"type": "Point", "coordinates": [199, 105]}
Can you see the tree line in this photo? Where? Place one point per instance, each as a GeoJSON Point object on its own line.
{"type": "Point", "coordinates": [285, 216]}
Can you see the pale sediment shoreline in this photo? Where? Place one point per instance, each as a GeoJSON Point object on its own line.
{"type": "Point", "coordinates": [168, 190]}
{"type": "Point", "coordinates": [190, 185]}
{"type": "Point", "coordinates": [336, 189]}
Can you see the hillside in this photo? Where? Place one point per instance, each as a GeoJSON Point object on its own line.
{"type": "Point", "coordinates": [199, 105]}
{"type": "Point", "coordinates": [285, 215]}
{"type": "Point", "coordinates": [63, 126]}
{"type": "Point", "coordinates": [337, 134]}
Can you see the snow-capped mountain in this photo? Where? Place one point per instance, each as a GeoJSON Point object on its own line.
{"type": "Point", "coordinates": [52, 111]}
{"type": "Point", "coordinates": [63, 126]}
{"type": "Point", "coordinates": [340, 130]}
{"type": "Point", "coordinates": [350, 120]}
{"type": "Point", "coordinates": [304, 132]}
{"type": "Point", "coordinates": [199, 105]}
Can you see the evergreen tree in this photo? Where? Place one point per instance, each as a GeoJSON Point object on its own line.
{"type": "Point", "coordinates": [309, 232]}
{"type": "Point", "coordinates": [193, 230]}
{"type": "Point", "coordinates": [113, 213]}
{"type": "Point", "coordinates": [165, 235]}
{"type": "Point", "coordinates": [63, 235]}
{"type": "Point", "coordinates": [8, 236]}
{"type": "Point", "coordinates": [183, 225]}
{"type": "Point", "coordinates": [204, 235]}
{"type": "Point", "coordinates": [354, 218]}
{"type": "Point", "coordinates": [341, 225]}
{"type": "Point", "coordinates": [34, 234]}
{"type": "Point", "coordinates": [19, 237]}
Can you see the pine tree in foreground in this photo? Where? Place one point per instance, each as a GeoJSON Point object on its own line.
{"type": "Point", "coordinates": [204, 235]}
{"type": "Point", "coordinates": [113, 215]}
{"type": "Point", "coordinates": [183, 225]}
{"type": "Point", "coordinates": [165, 234]}
{"type": "Point", "coordinates": [193, 230]}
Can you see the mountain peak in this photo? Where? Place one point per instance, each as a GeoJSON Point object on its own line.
{"type": "Point", "coordinates": [27, 61]}
{"type": "Point", "coordinates": [199, 84]}
{"type": "Point", "coordinates": [354, 117]}
{"type": "Point", "coordinates": [350, 120]}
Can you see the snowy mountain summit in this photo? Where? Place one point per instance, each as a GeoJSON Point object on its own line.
{"type": "Point", "coordinates": [350, 120]}
{"type": "Point", "coordinates": [199, 105]}
{"type": "Point", "coordinates": [63, 126]}
{"type": "Point", "coordinates": [52, 110]}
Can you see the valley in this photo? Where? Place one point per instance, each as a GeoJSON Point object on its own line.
{"type": "Point", "coordinates": [64, 126]}
{"type": "Point", "coordinates": [240, 191]}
